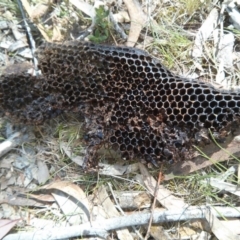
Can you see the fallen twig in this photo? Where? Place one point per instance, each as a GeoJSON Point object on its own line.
{"type": "Point", "coordinates": [154, 203]}
{"type": "Point", "coordinates": [14, 140]}
{"type": "Point", "coordinates": [30, 37]}
{"type": "Point", "coordinates": [101, 228]}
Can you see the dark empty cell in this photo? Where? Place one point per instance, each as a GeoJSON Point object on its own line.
{"type": "Point", "coordinates": [119, 66]}
{"type": "Point", "coordinates": [193, 97]}
{"type": "Point", "coordinates": [116, 59]}
{"type": "Point", "coordinates": [125, 67]}
{"type": "Point", "coordinates": [142, 150]}
{"type": "Point", "coordinates": [190, 91]}
{"type": "Point", "coordinates": [185, 98]}
{"type": "Point", "coordinates": [205, 104]}
{"type": "Point", "coordinates": [172, 118]}
{"type": "Point", "coordinates": [208, 110]}
{"type": "Point", "coordinates": [122, 147]}
{"type": "Point", "coordinates": [231, 104]}
{"type": "Point", "coordinates": [93, 85]}
{"type": "Point", "coordinates": [122, 73]}
{"type": "Point", "coordinates": [228, 98]}
{"type": "Point", "coordinates": [141, 73]}
{"type": "Point", "coordinates": [151, 81]}
{"type": "Point", "coordinates": [196, 104]}
{"type": "Point", "coordinates": [135, 92]}
{"type": "Point", "coordinates": [67, 86]}
{"type": "Point", "coordinates": [70, 93]}
{"type": "Point", "coordinates": [144, 63]}
{"type": "Point", "coordinates": [201, 97]}
{"type": "Point", "coordinates": [134, 142]}
{"type": "Point", "coordinates": [159, 104]}
{"type": "Point", "coordinates": [213, 104]}
{"type": "Point", "coordinates": [199, 110]}
{"type": "Point", "coordinates": [153, 105]}
{"type": "Point", "coordinates": [182, 91]}
{"type": "Point", "coordinates": [118, 114]}
{"type": "Point", "coordinates": [125, 114]}
{"type": "Point", "coordinates": [186, 118]}
{"type": "Point", "coordinates": [169, 111]}
{"type": "Point", "coordinates": [147, 69]}
{"type": "Point", "coordinates": [126, 103]}
{"type": "Point", "coordinates": [113, 119]}
{"type": "Point", "coordinates": [207, 92]}
{"type": "Point", "coordinates": [150, 75]}
{"type": "Point", "coordinates": [179, 118]}
{"type": "Point", "coordinates": [131, 98]}
{"type": "Point", "coordinates": [128, 74]}
{"type": "Point", "coordinates": [166, 86]}
{"type": "Point", "coordinates": [151, 136]}
{"type": "Point", "coordinates": [188, 85]}
{"type": "Point", "coordinates": [123, 60]}
{"type": "Point", "coordinates": [120, 140]}
{"type": "Point", "coordinates": [146, 88]}
{"type": "Point", "coordinates": [150, 99]}
{"type": "Point", "coordinates": [129, 91]}
{"type": "Point", "coordinates": [72, 99]}
{"type": "Point", "coordinates": [111, 65]}
{"type": "Point", "coordinates": [137, 62]}
{"type": "Point", "coordinates": [130, 61]}
{"type": "Point", "coordinates": [221, 117]}
{"type": "Point", "coordinates": [211, 117]}
{"type": "Point", "coordinates": [121, 121]}
{"type": "Point", "coordinates": [149, 150]}
{"type": "Point", "coordinates": [127, 141]}
{"type": "Point", "coordinates": [183, 111]}
{"type": "Point", "coordinates": [133, 68]}
{"type": "Point", "coordinates": [122, 108]}
{"type": "Point", "coordinates": [173, 85]}
{"type": "Point", "coordinates": [202, 118]}
{"type": "Point", "coordinates": [222, 104]}
{"type": "Point", "coordinates": [113, 139]}
{"type": "Point", "coordinates": [180, 85]}
{"type": "Point", "coordinates": [135, 75]}
{"type": "Point", "coordinates": [181, 104]}
{"type": "Point", "coordinates": [209, 97]}
{"type": "Point", "coordinates": [157, 99]}
{"type": "Point", "coordinates": [191, 111]}
{"type": "Point", "coordinates": [129, 148]}
{"type": "Point", "coordinates": [217, 110]}
{"type": "Point", "coordinates": [127, 55]}
{"type": "Point", "coordinates": [133, 103]}
{"type": "Point", "coordinates": [157, 75]}
{"type": "Point", "coordinates": [198, 91]}
{"type": "Point", "coordinates": [194, 118]}
{"type": "Point", "coordinates": [118, 133]}
{"type": "Point", "coordinates": [175, 91]}
{"type": "Point", "coordinates": [135, 56]}
{"type": "Point", "coordinates": [218, 97]}
{"type": "Point", "coordinates": [166, 105]}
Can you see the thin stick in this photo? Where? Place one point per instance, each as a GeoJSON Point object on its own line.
{"type": "Point", "coordinates": [101, 227]}
{"type": "Point", "coordinates": [30, 38]}
{"type": "Point", "coordinates": [160, 176]}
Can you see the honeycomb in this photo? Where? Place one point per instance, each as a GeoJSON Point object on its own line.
{"type": "Point", "coordinates": [128, 98]}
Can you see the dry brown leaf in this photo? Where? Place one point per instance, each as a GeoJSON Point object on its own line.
{"type": "Point", "coordinates": [133, 199]}
{"type": "Point", "coordinates": [219, 229]}
{"type": "Point", "coordinates": [40, 27]}
{"type": "Point", "coordinates": [111, 211]}
{"type": "Point", "coordinates": [164, 196]}
{"type": "Point", "coordinates": [22, 200]}
{"type": "Point", "coordinates": [56, 36]}
{"type": "Point", "coordinates": [72, 200]}
{"type": "Point", "coordinates": [43, 173]}
{"type": "Point", "coordinates": [6, 225]}
{"type": "Point", "coordinates": [199, 162]}
{"type": "Point", "coordinates": [39, 10]}
{"type": "Point", "coordinates": [138, 20]}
